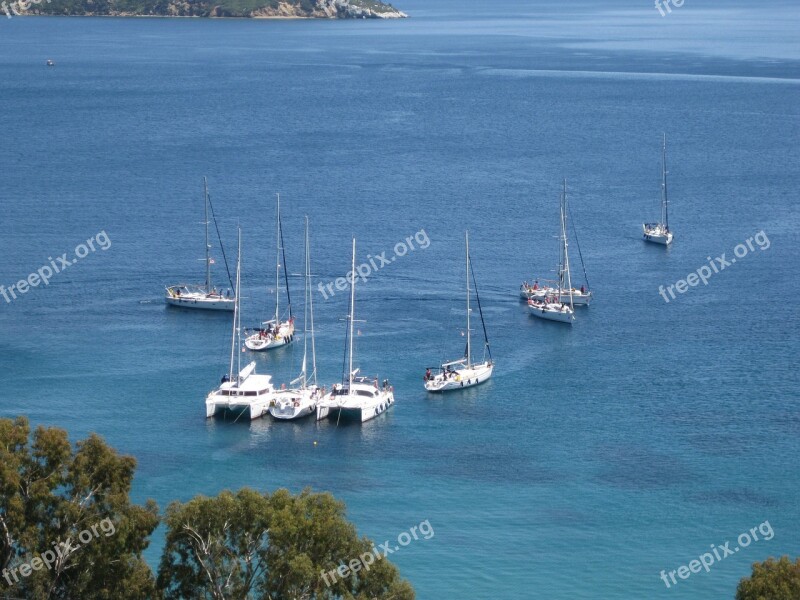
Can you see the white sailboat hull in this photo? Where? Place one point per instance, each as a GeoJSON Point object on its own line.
{"type": "Point", "coordinates": [657, 236]}
{"type": "Point", "coordinates": [293, 404]}
{"type": "Point", "coordinates": [260, 342]}
{"type": "Point", "coordinates": [249, 395]}
{"type": "Point", "coordinates": [246, 408]}
{"type": "Point", "coordinates": [460, 378]}
{"type": "Point", "coordinates": [553, 312]}
{"type": "Point", "coordinates": [200, 301]}
{"type": "Point", "coordinates": [355, 407]}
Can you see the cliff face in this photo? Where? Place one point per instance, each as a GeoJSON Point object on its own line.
{"type": "Point", "coordinates": [320, 9]}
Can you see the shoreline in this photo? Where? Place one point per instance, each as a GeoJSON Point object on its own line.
{"type": "Point", "coordinates": [222, 18]}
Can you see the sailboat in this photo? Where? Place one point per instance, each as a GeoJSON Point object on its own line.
{"type": "Point", "coordinates": [241, 392]}
{"type": "Point", "coordinates": [275, 333]}
{"type": "Point", "coordinates": [356, 398]}
{"type": "Point", "coordinates": [301, 401]}
{"type": "Point", "coordinates": [659, 233]}
{"type": "Point", "coordinates": [554, 308]}
{"type": "Point", "coordinates": [202, 296]}
{"type": "Point", "coordinates": [461, 373]}
{"type": "Point", "coordinates": [549, 289]}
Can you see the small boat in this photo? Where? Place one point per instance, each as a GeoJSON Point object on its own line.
{"type": "Point", "coordinates": [660, 233]}
{"type": "Point", "coordinates": [275, 333]}
{"type": "Point", "coordinates": [301, 401]}
{"type": "Point", "coordinates": [553, 307]}
{"type": "Point", "coordinates": [50, 63]}
{"type": "Point", "coordinates": [241, 393]}
{"type": "Point", "coordinates": [462, 373]}
{"type": "Point", "coordinates": [356, 398]}
{"type": "Point", "coordinates": [205, 296]}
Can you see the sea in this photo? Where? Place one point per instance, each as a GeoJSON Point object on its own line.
{"type": "Point", "coordinates": [657, 428]}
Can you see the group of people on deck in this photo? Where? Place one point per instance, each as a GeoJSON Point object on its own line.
{"type": "Point", "coordinates": [447, 373]}
{"type": "Point", "coordinates": [535, 287]}
{"type": "Point", "coordinates": [268, 332]}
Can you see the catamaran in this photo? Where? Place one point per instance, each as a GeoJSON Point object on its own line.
{"type": "Point", "coordinates": [242, 393]}
{"type": "Point", "coordinates": [275, 333]}
{"type": "Point", "coordinates": [553, 307]}
{"type": "Point", "coordinates": [300, 401]}
{"type": "Point", "coordinates": [356, 398]}
{"type": "Point", "coordinates": [204, 296]}
{"type": "Point", "coordinates": [461, 373]}
{"type": "Point", "coordinates": [659, 233]}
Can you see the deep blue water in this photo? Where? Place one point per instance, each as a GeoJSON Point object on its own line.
{"type": "Point", "coordinates": [598, 455]}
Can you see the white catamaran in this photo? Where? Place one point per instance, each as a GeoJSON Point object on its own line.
{"type": "Point", "coordinates": [660, 233]}
{"type": "Point", "coordinates": [356, 398]}
{"type": "Point", "coordinates": [204, 296]}
{"type": "Point", "coordinates": [554, 308]}
{"type": "Point", "coordinates": [275, 333]}
{"type": "Point", "coordinates": [300, 401]}
{"type": "Point", "coordinates": [243, 392]}
{"type": "Point", "coordinates": [461, 373]}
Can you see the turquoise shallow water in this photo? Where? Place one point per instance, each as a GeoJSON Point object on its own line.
{"type": "Point", "coordinates": [598, 455]}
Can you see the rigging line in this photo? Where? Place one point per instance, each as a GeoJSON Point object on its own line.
{"type": "Point", "coordinates": [219, 237]}
{"type": "Point", "coordinates": [480, 310]}
{"type": "Point", "coordinates": [344, 358]}
{"type": "Point", "coordinates": [578, 244]}
{"type": "Point", "coordinates": [285, 271]}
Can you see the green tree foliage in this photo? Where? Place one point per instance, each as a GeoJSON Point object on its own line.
{"type": "Point", "coordinates": [50, 495]}
{"type": "Point", "coordinates": [771, 580]}
{"type": "Point", "coordinates": [251, 545]}
{"type": "Point", "coordinates": [69, 531]}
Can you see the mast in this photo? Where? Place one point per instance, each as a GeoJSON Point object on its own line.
{"type": "Point", "coordinates": [565, 242]}
{"type": "Point", "coordinates": [277, 260]}
{"type": "Point", "coordinates": [208, 246]}
{"type": "Point", "coordinates": [352, 313]}
{"type": "Point", "coordinates": [239, 312]}
{"type": "Point", "coordinates": [664, 201]}
{"type": "Point", "coordinates": [310, 300]}
{"type": "Point", "coordinates": [469, 345]}
{"type": "Point", "coordinates": [305, 313]}
{"type": "Point", "coordinates": [236, 315]}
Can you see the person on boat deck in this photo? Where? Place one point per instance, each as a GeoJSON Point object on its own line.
{"type": "Point", "coordinates": [428, 375]}
{"type": "Point", "coordinates": [536, 284]}
{"type": "Point", "coordinates": [583, 289]}
{"type": "Point", "coordinates": [225, 378]}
